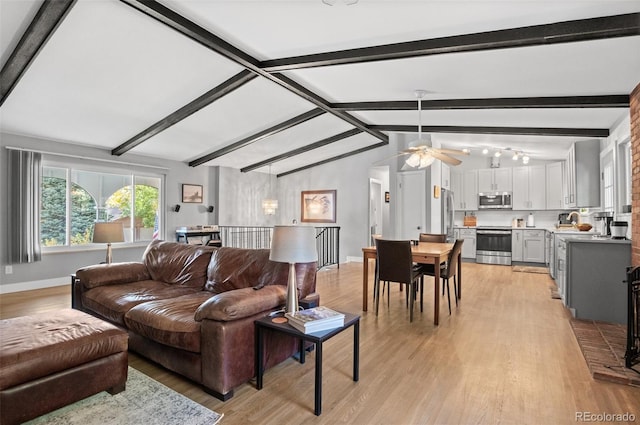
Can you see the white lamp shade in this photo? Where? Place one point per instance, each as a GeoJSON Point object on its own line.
{"type": "Point", "coordinates": [293, 244]}
{"type": "Point", "coordinates": [107, 232]}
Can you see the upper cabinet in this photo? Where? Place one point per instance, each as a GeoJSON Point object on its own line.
{"type": "Point", "coordinates": [581, 175]}
{"type": "Point", "coordinates": [464, 185]}
{"type": "Point", "coordinates": [529, 188]}
{"type": "Point", "coordinates": [555, 200]}
{"type": "Point", "coordinates": [495, 180]}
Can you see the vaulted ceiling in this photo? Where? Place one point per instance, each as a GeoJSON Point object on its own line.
{"type": "Point", "coordinates": [291, 84]}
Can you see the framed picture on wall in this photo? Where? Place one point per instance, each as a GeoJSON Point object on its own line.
{"type": "Point", "coordinates": [192, 193]}
{"type": "Point", "coordinates": [318, 206]}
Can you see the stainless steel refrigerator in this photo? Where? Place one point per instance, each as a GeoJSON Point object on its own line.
{"type": "Point", "coordinates": [446, 216]}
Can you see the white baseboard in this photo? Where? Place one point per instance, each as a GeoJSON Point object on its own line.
{"type": "Point", "coordinates": [354, 259]}
{"type": "Point", "coordinates": [35, 284]}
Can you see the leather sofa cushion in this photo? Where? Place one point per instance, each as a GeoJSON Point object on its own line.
{"type": "Point", "coordinates": [170, 322]}
{"type": "Point", "coordinates": [42, 344]}
{"type": "Point", "coordinates": [237, 268]}
{"type": "Point", "coordinates": [113, 301]}
{"type": "Point", "coordinates": [178, 263]}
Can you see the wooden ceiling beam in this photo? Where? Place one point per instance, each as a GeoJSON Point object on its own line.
{"type": "Point", "coordinates": [197, 33]}
{"type": "Point", "coordinates": [536, 35]}
{"type": "Point", "coordinates": [335, 158]}
{"type": "Point", "coordinates": [523, 131]}
{"type": "Point", "coordinates": [302, 149]}
{"type": "Point", "coordinates": [561, 102]}
{"type": "Point", "coordinates": [43, 25]}
{"type": "Point", "coordinates": [238, 80]}
{"type": "Point", "coordinates": [258, 136]}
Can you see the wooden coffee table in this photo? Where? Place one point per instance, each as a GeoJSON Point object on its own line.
{"type": "Point", "coordinates": [317, 339]}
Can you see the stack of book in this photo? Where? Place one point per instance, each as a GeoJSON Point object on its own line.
{"type": "Point", "coordinates": [315, 319]}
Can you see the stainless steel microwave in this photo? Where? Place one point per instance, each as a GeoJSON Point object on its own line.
{"type": "Point", "coordinates": [495, 200]}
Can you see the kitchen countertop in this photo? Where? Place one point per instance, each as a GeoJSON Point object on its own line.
{"type": "Point", "coordinates": [599, 240]}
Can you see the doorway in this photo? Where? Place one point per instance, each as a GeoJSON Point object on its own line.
{"type": "Point", "coordinates": [375, 209]}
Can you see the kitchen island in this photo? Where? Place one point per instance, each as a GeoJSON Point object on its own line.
{"type": "Point", "coordinates": [595, 274]}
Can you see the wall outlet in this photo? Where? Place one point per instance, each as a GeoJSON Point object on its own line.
{"type": "Point", "coordinates": [8, 269]}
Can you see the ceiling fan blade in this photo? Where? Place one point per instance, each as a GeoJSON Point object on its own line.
{"type": "Point", "coordinates": [445, 158]}
{"type": "Point", "coordinates": [452, 151]}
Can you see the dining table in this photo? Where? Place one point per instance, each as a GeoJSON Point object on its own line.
{"type": "Point", "coordinates": [423, 252]}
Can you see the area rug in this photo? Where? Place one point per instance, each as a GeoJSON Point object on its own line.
{"type": "Point", "coordinates": [530, 269]}
{"type": "Point", "coordinates": [145, 401]}
{"type": "Point", "coordinates": [603, 346]}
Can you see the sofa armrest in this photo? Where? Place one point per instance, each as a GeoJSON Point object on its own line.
{"type": "Point", "coordinates": [239, 303]}
{"type": "Point", "coordinates": [112, 274]}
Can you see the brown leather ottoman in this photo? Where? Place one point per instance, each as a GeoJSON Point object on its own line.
{"type": "Point", "coordinates": [53, 359]}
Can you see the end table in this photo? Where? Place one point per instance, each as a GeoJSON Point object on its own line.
{"type": "Point", "coordinates": [316, 338]}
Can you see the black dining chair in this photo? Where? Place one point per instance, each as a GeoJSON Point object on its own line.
{"type": "Point", "coordinates": [394, 264]}
{"type": "Point", "coordinates": [432, 237]}
{"type": "Point", "coordinates": [449, 270]}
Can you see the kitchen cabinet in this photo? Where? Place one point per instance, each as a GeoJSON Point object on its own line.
{"type": "Point", "coordinates": [528, 245]}
{"type": "Point", "coordinates": [581, 175]}
{"type": "Point", "coordinates": [553, 192]}
{"type": "Point", "coordinates": [534, 242]}
{"type": "Point", "coordinates": [465, 190]}
{"type": "Point", "coordinates": [529, 191]}
{"type": "Point", "coordinates": [596, 269]}
{"type": "Point", "coordinates": [516, 244]}
{"type": "Point", "coordinates": [495, 180]}
{"type": "Point", "coordinates": [469, 245]}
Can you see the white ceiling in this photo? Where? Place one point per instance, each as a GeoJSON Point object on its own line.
{"type": "Point", "coordinates": [109, 72]}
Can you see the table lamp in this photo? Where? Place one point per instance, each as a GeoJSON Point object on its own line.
{"type": "Point", "coordinates": [293, 244]}
{"type": "Point", "coordinates": [107, 232]}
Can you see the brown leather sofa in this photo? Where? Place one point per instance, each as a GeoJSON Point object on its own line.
{"type": "Point", "coordinates": [192, 308]}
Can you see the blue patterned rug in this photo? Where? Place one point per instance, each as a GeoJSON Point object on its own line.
{"type": "Point", "coordinates": [145, 401]}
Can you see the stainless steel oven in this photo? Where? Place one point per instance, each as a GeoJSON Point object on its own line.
{"type": "Point", "coordinates": [493, 245]}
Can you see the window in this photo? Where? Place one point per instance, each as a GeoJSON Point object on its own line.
{"type": "Point", "coordinates": [624, 173]}
{"type": "Point", "coordinates": [72, 199]}
{"type": "Point", "coordinates": [607, 182]}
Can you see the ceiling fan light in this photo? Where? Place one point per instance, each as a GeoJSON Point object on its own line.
{"type": "Point", "coordinates": [498, 154]}
{"type": "Point", "coordinates": [426, 160]}
{"type": "Point", "coordinates": [485, 151]}
{"type": "Point", "coordinates": [413, 160]}
{"type": "Point", "coordinates": [525, 159]}
{"type": "Point", "coordinates": [515, 156]}
{"type": "Point", "coordinates": [466, 150]}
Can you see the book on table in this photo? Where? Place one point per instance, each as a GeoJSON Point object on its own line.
{"type": "Point", "coordinates": [315, 319]}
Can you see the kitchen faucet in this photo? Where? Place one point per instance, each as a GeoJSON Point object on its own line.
{"type": "Point", "coordinates": [571, 214]}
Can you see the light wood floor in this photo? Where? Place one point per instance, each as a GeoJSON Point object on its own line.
{"type": "Point", "coordinates": [506, 355]}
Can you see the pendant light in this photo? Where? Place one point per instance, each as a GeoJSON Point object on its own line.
{"type": "Point", "coordinates": [269, 206]}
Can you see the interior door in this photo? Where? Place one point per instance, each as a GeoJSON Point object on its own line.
{"type": "Point", "coordinates": [412, 203]}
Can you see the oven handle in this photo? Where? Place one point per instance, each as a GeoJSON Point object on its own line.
{"type": "Point", "coordinates": [493, 232]}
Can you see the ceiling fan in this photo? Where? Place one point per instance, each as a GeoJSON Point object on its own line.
{"type": "Point", "coordinates": [423, 155]}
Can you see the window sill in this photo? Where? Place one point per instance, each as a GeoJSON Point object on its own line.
{"type": "Point", "coordinates": [52, 250]}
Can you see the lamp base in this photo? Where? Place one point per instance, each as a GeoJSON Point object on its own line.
{"type": "Point", "coordinates": [292, 290]}
{"type": "Point", "coordinates": [109, 253]}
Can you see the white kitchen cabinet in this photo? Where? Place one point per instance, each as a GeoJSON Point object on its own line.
{"type": "Point", "coordinates": [529, 188]}
{"type": "Point", "coordinates": [469, 245]}
{"type": "Point", "coordinates": [516, 244]}
{"type": "Point", "coordinates": [465, 190]}
{"type": "Point", "coordinates": [528, 245]}
{"type": "Point", "coordinates": [445, 176]}
{"type": "Point", "coordinates": [495, 180]}
{"type": "Point", "coordinates": [581, 175]}
{"type": "Point", "coordinates": [553, 194]}
{"type": "Point", "coordinates": [533, 246]}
